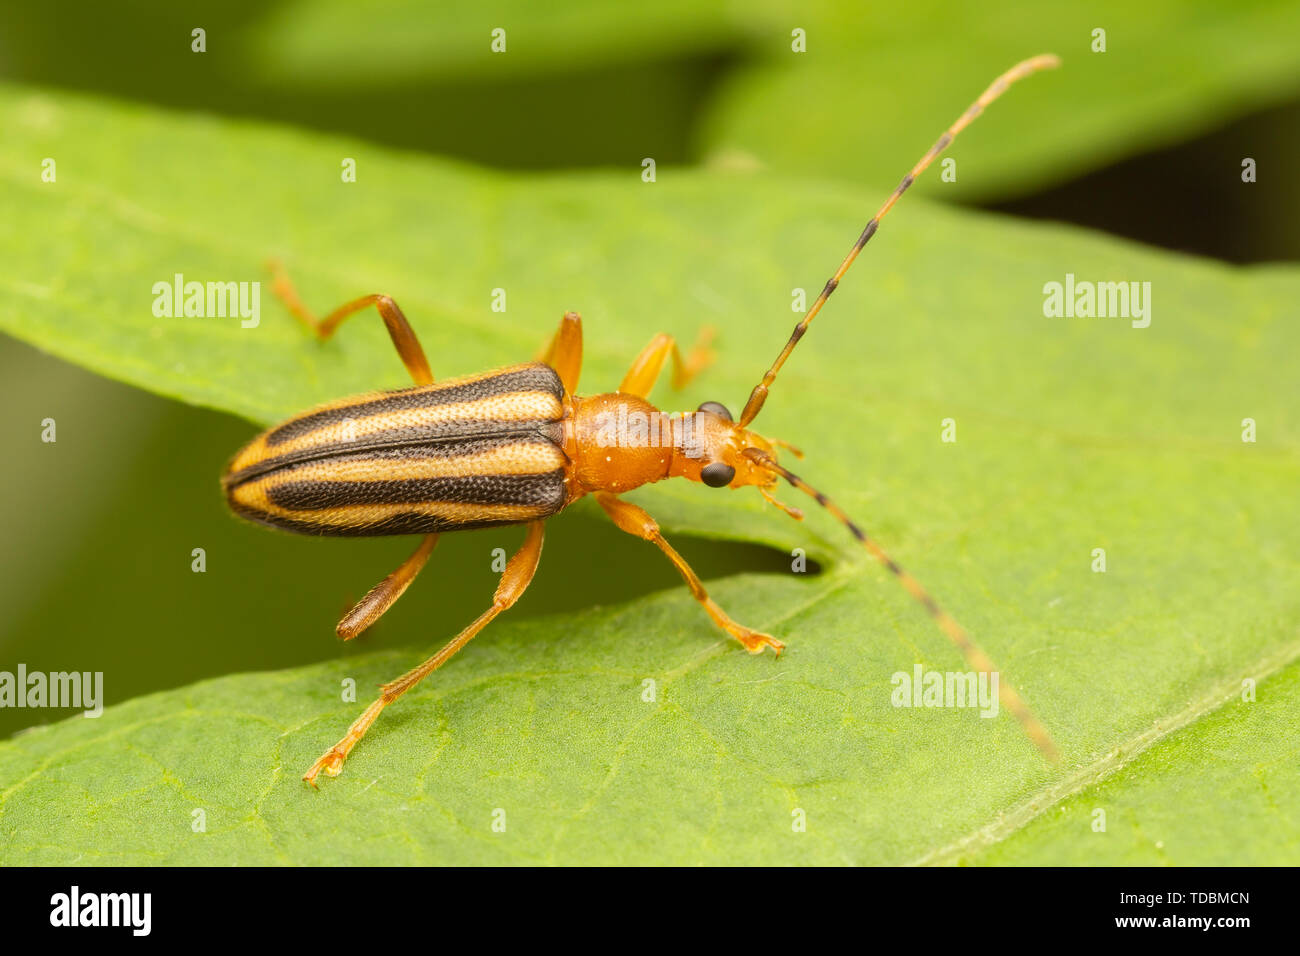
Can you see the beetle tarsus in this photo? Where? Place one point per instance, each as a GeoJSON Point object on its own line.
{"type": "Point", "coordinates": [331, 763]}
{"type": "Point", "coordinates": [332, 760]}
{"type": "Point", "coordinates": [756, 641]}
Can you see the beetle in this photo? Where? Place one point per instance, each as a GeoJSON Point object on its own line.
{"type": "Point", "coordinates": [518, 445]}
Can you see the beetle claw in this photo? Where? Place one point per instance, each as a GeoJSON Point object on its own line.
{"type": "Point", "coordinates": [331, 763]}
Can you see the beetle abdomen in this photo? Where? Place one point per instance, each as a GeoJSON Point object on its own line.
{"type": "Point", "coordinates": [467, 453]}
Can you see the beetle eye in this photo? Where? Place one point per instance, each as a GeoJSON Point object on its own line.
{"type": "Point", "coordinates": [717, 475]}
{"type": "Point", "coordinates": [716, 408]}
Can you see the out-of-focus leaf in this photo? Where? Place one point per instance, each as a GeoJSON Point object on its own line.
{"type": "Point", "coordinates": [879, 83]}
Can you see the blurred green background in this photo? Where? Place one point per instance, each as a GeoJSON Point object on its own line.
{"type": "Point", "coordinates": [99, 526]}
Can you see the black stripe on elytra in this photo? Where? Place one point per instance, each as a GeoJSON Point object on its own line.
{"type": "Point", "coordinates": [440, 440]}
{"type": "Point", "coordinates": [410, 522]}
{"type": "Point", "coordinates": [531, 378]}
{"type": "Point", "coordinates": [545, 491]}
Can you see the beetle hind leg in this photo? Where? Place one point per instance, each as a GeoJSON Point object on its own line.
{"type": "Point", "coordinates": [384, 594]}
{"type": "Point", "coordinates": [331, 762]}
{"type": "Point", "coordinates": [399, 330]}
{"type": "Point", "coordinates": [514, 581]}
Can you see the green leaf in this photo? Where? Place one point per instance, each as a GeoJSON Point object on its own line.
{"type": "Point", "coordinates": [315, 42]}
{"type": "Point", "coordinates": [1217, 793]}
{"type": "Point", "coordinates": [1073, 434]}
{"type": "Point", "coordinates": [879, 83]}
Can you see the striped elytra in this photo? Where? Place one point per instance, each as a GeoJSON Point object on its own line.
{"type": "Point", "coordinates": [471, 452]}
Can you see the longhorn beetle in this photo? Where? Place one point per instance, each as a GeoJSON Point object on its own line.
{"type": "Point", "coordinates": [517, 445]}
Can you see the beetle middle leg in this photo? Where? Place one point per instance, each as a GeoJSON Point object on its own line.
{"type": "Point", "coordinates": [564, 352]}
{"type": "Point", "coordinates": [399, 330]}
{"type": "Point", "coordinates": [635, 520]}
{"type": "Point", "coordinates": [643, 374]}
{"type": "Point", "coordinates": [514, 581]}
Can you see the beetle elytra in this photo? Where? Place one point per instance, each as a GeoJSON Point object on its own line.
{"type": "Point", "coordinates": [517, 445]}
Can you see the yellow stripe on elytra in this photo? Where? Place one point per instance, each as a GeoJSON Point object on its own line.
{"type": "Point", "coordinates": [516, 458]}
{"type": "Point", "coordinates": [506, 407]}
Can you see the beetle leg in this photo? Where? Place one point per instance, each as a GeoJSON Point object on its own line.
{"type": "Point", "coordinates": [384, 594]}
{"type": "Point", "coordinates": [514, 581]}
{"type": "Point", "coordinates": [399, 330]}
{"type": "Point", "coordinates": [564, 352]}
{"type": "Point", "coordinates": [643, 374]}
{"type": "Point", "coordinates": [635, 520]}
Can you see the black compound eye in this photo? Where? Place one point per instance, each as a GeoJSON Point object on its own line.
{"type": "Point", "coordinates": [718, 474]}
{"type": "Point", "coordinates": [716, 408]}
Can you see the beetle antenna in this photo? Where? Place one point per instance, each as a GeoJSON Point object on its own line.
{"type": "Point", "coordinates": [759, 395]}
{"type": "Point", "coordinates": [975, 657]}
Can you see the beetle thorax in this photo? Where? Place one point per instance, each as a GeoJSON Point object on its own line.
{"type": "Point", "coordinates": [618, 442]}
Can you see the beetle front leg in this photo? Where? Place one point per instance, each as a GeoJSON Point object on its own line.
{"type": "Point", "coordinates": [635, 520]}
